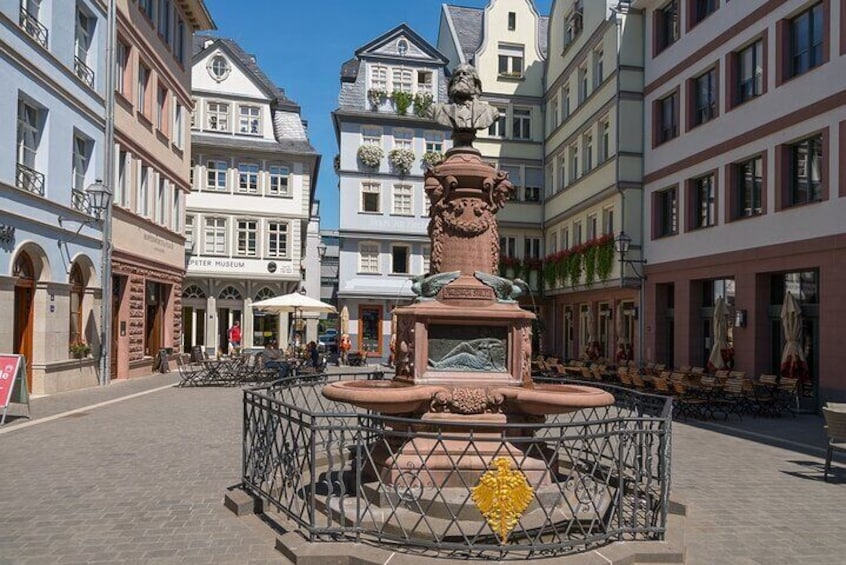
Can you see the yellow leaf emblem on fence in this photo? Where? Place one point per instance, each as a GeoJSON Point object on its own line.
{"type": "Point", "coordinates": [502, 496]}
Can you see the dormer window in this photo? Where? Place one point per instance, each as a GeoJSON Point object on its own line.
{"type": "Point", "coordinates": [402, 47]}
{"type": "Point", "coordinates": [218, 68]}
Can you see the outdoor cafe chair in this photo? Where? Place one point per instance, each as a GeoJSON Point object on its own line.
{"type": "Point", "coordinates": [787, 395]}
{"type": "Point", "coordinates": [686, 402]}
{"type": "Point", "coordinates": [835, 427]}
{"type": "Point", "coordinates": [190, 374]}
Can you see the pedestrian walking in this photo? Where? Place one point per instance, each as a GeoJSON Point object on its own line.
{"type": "Point", "coordinates": [235, 338]}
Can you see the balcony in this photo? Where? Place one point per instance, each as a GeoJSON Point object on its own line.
{"type": "Point", "coordinates": [80, 201]}
{"type": "Point", "coordinates": [29, 179]}
{"type": "Point", "coordinates": [35, 29]}
{"type": "Point", "coordinates": [83, 72]}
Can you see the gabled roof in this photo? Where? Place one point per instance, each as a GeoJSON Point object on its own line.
{"type": "Point", "coordinates": [467, 27]}
{"type": "Point", "coordinates": [401, 30]}
{"type": "Point", "coordinates": [202, 43]}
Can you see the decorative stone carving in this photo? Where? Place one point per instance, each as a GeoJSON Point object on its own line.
{"type": "Point", "coordinates": [467, 400]}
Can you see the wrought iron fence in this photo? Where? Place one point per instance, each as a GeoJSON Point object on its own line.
{"type": "Point", "coordinates": [80, 201]}
{"type": "Point", "coordinates": [597, 475]}
{"type": "Point", "coordinates": [35, 29]}
{"type": "Point", "coordinates": [29, 179]}
{"type": "Point", "coordinates": [83, 71]}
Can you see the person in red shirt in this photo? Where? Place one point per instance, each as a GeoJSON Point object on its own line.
{"type": "Point", "coordinates": [235, 337]}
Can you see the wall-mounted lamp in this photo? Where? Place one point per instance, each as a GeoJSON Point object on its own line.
{"type": "Point", "coordinates": [740, 319]}
{"type": "Point", "coordinates": [321, 250]}
{"type": "Point", "coordinates": [621, 244]}
{"type": "Point", "coordinates": [7, 233]}
{"type": "Point", "coordinates": [94, 202]}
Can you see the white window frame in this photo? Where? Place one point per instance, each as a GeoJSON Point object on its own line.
{"type": "Point", "coordinates": [83, 32]}
{"type": "Point", "coordinates": [587, 144]}
{"type": "Point", "coordinates": [215, 229]}
{"type": "Point", "coordinates": [143, 84]}
{"type": "Point", "coordinates": [434, 142]}
{"type": "Point", "coordinates": [161, 107]}
{"type": "Point", "coordinates": [122, 172]}
{"type": "Point", "coordinates": [598, 69]}
{"type": "Point", "coordinates": [605, 140]}
{"type": "Point", "coordinates": [81, 160]}
{"type": "Point", "coordinates": [521, 123]}
{"type": "Point", "coordinates": [248, 178]}
{"type": "Point", "coordinates": [402, 79]}
{"type": "Point", "coordinates": [246, 237]}
{"type": "Point", "coordinates": [160, 200]}
{"type": "Point", "coordinates": [583, 84]}
{"type": "Point", "coordinates": [177, 212]}
{"type": "Point", "coordinates": [178, 133]}
{"type": "Point", "coordinates": [371, 136]}
{"type": "Point", "coordinates": [190, 231]}
{"type": "Point", "coordinates": [511, 60]}
{"type": "Point", "coordinates": [142, 200]}
{"type": "Point", "coordinates": [379, 77]}
{"type": "Point", "coordinates": [278, 239]}
{"type": "Point", "coordinates": [426, 255]}
{"type": "Point", "coordinates": [279, 182]}
{"type": "Point", "coordinates": [573, 157]}
{"type": "Point", "coordinates": [402, 200]}
{"type": "Point", "coordinates": [608, 220]}
{"type": "Point", "coordinates": [371, 188]}
{"type": "Point", "coordinates": [500, 126]}
{"type": "Point", "coordinates": [368, 257]}
{"type": "Point", "coordinates": [216, 187]}
{"type": "Point", "coordinates": [403, 139]}
{"type": "Point", "coordinates": [249, 123]}
{"type": "Point", "coordinates": [217, 112]}
{"type": "Point", "coordinates": [422, 86]}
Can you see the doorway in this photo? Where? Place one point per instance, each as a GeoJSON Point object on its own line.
{"type": "Point", "coordinates": [370, 331]}
{"type": "Point", "coordinates": [155, 318]}
{"type": "Point", "coordinates": [118, 286]}
{"type": "Point", "coordinates": [24, 272]}
{"type": "Point", "coordinates": [226, 318]}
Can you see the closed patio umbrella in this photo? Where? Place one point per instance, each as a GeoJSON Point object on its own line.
{"type": "Point", "coordinates": [793, 362]}
{"type": "Point", "coordinates": [345, 320]}
{"type": "Point", "coordinates": [619, 329]}
{"type": "Point", "coordinates": [715, 360]}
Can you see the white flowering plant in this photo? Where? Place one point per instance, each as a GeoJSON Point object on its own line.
{"type": "Point", "coordinates": [370, 155]}
{"type": "Point", "coordinates": [432, 158]}
{"type": "Point", "coordinates": [401, 159]}
{"type": "Point", "coordinates": [376, 97]}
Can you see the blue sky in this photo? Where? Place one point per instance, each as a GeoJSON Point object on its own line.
{"type": "Point", "coordinates": [300, 45]}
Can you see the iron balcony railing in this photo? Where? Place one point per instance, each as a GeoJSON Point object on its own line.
{"type": "Point", "coordinates": [83, 71]}
{"type": "Point", "coordinates": [34, 28]}
{"type": "Point", "coordinates": [322, 468]}
{"type": "Point", "coordinates": [29, 179]}
{"type": "Point", "coordinates": [80, 201]}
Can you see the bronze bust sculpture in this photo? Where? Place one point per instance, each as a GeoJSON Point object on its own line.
{"type": "Point", "coordinates": [466, 113]}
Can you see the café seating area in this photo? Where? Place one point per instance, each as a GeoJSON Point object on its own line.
{"type": "Point", "coordinates": [198, 369]}
{"type": "Point", "coordinates": [696, 392]}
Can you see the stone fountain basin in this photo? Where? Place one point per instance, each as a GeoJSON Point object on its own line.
{"type": "Point", "coordinates": [556, 398]}
{"type": "Point", "coordinates": [386, 397]}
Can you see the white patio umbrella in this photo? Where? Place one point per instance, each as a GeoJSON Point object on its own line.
{"type": "Point", "coordinates": [792, 357]}
{"type": "Point", "coordinates": [293, 302]}
{"type": "Point", "coordinates": [591, 331]}
{"type": "Point", "coordinates": [715, 360]}
{"type": "Point", "coordinates": [619, 329]}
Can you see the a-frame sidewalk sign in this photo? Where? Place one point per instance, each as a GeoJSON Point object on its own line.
{"type": "Point", "coordinates": [12, 383]}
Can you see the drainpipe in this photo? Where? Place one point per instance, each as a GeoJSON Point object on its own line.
{"type": "Point", "coordinates": [109, 180]}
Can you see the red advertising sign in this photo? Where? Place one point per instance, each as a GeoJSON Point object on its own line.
{"type": "Point", "coordinates": [9, 367]}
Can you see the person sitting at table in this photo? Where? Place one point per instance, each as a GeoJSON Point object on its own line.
{"type": "Point", "coordinates": [274, 358]}
{"type": "Point", "coordinates": [312, 356]}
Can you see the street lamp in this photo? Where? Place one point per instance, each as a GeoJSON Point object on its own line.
{"type": "Point", "coordinates": [98, 197]}
{"type": "Point", "coordinates": [622, 243]}
{"type": "Point", "coordinates": [321, 250]}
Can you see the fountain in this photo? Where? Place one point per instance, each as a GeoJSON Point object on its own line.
{"type": "Point", "coordinates": [463, 347]}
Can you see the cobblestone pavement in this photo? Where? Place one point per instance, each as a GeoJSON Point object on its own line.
{"type": "Point", "coordinates": [142, 481]}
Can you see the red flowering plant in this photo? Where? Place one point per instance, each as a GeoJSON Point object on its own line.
{"type": "Point", "coordinates": [506, 263]}
{"type": "Point", "coordinates": [530, 264]}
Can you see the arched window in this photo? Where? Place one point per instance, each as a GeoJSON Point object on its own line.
{"type": "Point", "coordinates": [264, 294]}
{"type": "Point", "coordinates": [23, 268]}
{"type": "Point", "coordinates": [193, 291]}
{"type": "Point", "coordinates": [230, 293]}
{"type": "Point", "coordinates": [77, 292]}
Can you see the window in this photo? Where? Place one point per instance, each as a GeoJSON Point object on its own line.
{"type": "Point", "coordinates": [164, 20]}
{"type": "Point", "coordinates": [562, 172]}
{"type": "Point", "coordinates": [750, 72]}
{"type": "Point", "coordinates": [146, 6]}
{"type": "Point", "coordinates": [515, 177]}
{"type": "Point", "coordinates": [592, 227]}
{"type": "Point", "coordinates": [176, 211]}
{"type": "Point", "coordinates": [534, 180]}
{"type": "Point", "coordinates": [379, 77]}
{"type": "Point", "coordinates": [512, 21]}
{"type": "Point", "coordinates": [216, 175]}
{"type": "Point", "coordinates": [402, 139]}
{"type": "Point", "coordinates": [143, 196]}
{"type": "Point", "coordinates": [248, 174]}
{"type": "Point", "coordinates": [402, 201]}
{"type": "Point", "coordinates": [705, 97]}
{"type": "Point", "coordinates": [122, 185]}
{"type": "Point", "coordinates": [246, 233]}
{"type": "Point", "coordinates": [574, 163]}
{"type": "Point", "coordinates": [668, 123]}
{"type": "Point", "coordinates": [532, 248]}
{"type": "Point", "coordinates": [218, 68]}
{"type": "Point", "coordinates": [368, 258]}
{"type": "Point", "coordinates": [426, 252]}
{"type": "Point", "coordinates": [249, 119]}
{"type": "Point", "coordinates": [554, 115]}
{"type": "Point", "coordinates": [583, 84]}
{"type": "Point", "coordinates": [190, 235]}
{"type": "Point", "coordinates": [573, 23]}
{"type": "Point", "coordinates": [507, 246]}
{"type": "Point", "coordinates": [497, 129]}
{"type": "Point", "coordinates": [605, 142]}
{"type": "Point", "coordinates": [565, 239]}
{"type": "Point", "coordinates": [29, 133]}
{"type": "Point", "coordinates": [597, 68]}
{"type": "Point", "coordinates": [424, 82]}
{"type": "Point", "coordinates": [587, 142]}
{"type": "Point", "coordinates": [434, 143]}
{"type": "Point", "coordinates": [143, 83]}
{"type": "Point", "coordinates": [401, 79]}
{"type": "Point", "coordinates": [565, 97]}
{"type": "Point", "coordinates": [30, 14]}
{"type": "Point", "coordinates": [83, 32]}
{"type": "Point", "coordinates": [81, 157]}
{"type": "Point", "coordinates": [178, 124]}
{"type": "Point", "coordinates": [277, 239]}
{"type": "Point", "coordinates": [701, 9]}
{"type": "Point", "coordinates": [521, 124]}
{"type": "Point", "coordinates": [217, 115]}
{"type": "Point", "coordinates": [704, 202]}
{"type": "Point", "coordinates": [667, 25]}
{"type": "Point", "coordinates": [77, 293]}
{"type": "Point", "coordinates": [371, 136]}
{"type": "Point", "coordinates": [806, 40]}
{"type": "Point", "coordinates": [400, 259]}
{"type": "Point", "coordinates": [161, 200]}
{"type": "Point", "coordinates": [608, 220]}
{"type": "Point", "coordinates": [577, 233]}
{"type": "Point", "coordinates": [161, 108]}
{"type": "Point", "coordinates": [121, 63]}
{"type": "Point", "coordinates": [510, 60]}
{"type": "Point", "coordinates": [749, 180]}
{"type": "Point", "coordinates": [370, 197]}
{"type": "Point", "coordinates": [552, 244]}
{"type": "Point", "coordinates": [806, 171]}
{"type": "Point", "coordinates": [278, 181]}
{"type": "Point", "coordinates": [179, 41]}
{"type": "Point", "coordinates": [666, 213]}
{"type": "Point", "coordinates": [195, 111]}
{"type": "Point", "coordinates": [214, 236]}
{"type": "Point", "coordinates": [402, 47]}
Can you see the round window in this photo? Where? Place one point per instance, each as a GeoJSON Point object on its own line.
{"type": "Point", "coordinates": [218, 67]}
{"type": "Point", "coordinates": [402, 47]}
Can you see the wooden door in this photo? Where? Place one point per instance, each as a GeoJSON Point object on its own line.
{"type": "Point", "coordinates": [24, 301]}
{"type": "Point", "coordinates": [117, 290]}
